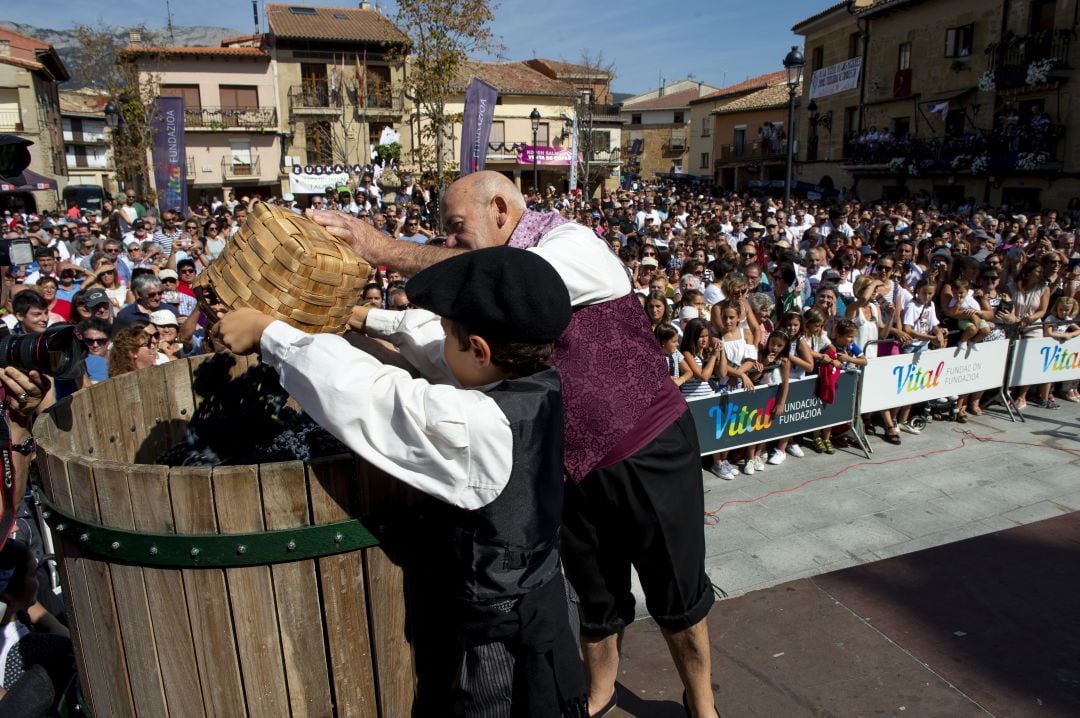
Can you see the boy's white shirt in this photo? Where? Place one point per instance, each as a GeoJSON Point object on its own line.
{"type": "Point", "coordinates": [454, 444]}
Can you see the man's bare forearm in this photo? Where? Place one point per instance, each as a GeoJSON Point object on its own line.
{"type": "Point", "coordinates": [409, 258]}
{"type": "Point", "coordinates": [375, 247]}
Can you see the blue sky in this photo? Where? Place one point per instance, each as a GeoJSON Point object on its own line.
{"type": "Point", "coordinates": [719, 43]}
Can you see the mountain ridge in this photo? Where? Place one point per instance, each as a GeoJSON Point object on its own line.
{"type": "Point", "coordinates": [65, 42]}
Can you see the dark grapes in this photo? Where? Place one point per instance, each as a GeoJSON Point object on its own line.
{"type": "Point", "coordinates": [245, 420]}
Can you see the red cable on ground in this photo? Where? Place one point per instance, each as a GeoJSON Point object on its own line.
{"type": "Point", "coordinates": [711, 518]}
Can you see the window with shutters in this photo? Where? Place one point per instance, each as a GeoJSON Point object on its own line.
{"type": "Point", "coordinates": [189, 93]}
{"type": "Point", "coordinates": [239, 97]}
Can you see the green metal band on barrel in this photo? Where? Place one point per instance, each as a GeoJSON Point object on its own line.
{"type": "Point", "coordinates": [206, 550]}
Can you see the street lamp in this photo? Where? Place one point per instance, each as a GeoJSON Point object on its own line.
{"type": "Point", "coordinates": [793, 63]}
{"type": "Point", "coordinates": [535, 117]}
{"type": "Point", "coordinates": [112, 115]}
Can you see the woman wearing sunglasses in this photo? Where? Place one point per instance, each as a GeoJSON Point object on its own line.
{"type": "Point", "coordinates": [94, 334]}
{"type": "Point", "coordinates": [134, 347]}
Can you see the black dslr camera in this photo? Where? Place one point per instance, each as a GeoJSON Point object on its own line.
{"type": "Point", "coordinates": [56, 352]}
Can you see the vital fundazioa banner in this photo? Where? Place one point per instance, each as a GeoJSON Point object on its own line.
{"type": "Point", "coordinates": [727, 421]}
{"type": "Point", "coordinates": [169, 155]}
{"type": "Point", "coordinates": [480, 99]}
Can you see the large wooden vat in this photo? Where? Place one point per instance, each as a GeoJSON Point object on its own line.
{"type": "Point", "coordinates": [168, 618]}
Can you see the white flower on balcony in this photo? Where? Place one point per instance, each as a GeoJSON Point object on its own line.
{"type": "Point", "coordinates": [897, 164]}
{"type": "Point", "coordinates": [986, 81]}
{"type": "Point", "coordinates": [1031, 160]}
{"type": "Point", "coordinates": [980, 164]}
{"type": "Point", "coordinates": [1038, 71]}
{"type": "Point", "coordinates": [960, 162]}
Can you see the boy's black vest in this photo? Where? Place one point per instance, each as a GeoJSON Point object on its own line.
{"type": "Point", "coordinates": [510, 547]}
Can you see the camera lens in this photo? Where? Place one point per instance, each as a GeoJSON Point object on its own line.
{"type": "Point", "coordinates": [55, 352]}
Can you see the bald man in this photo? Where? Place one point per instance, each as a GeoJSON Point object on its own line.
{"type": "Point", "coordinates": [635, 495]}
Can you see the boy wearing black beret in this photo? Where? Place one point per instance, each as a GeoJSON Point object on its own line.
{"type": "Point", "coordinates": [489, 443]}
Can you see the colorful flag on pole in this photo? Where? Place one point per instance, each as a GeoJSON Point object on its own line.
{"type": "Point", "coordinates": [168, 154]}
{"type": "Point", "coordinates": [573, 155]}
{"type": "Point", "coordinates": [480, 99]}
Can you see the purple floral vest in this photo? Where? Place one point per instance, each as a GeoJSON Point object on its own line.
{"type": "Point", "coordinates": [611, 365]}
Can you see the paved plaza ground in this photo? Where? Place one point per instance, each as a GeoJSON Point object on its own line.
{"type": "Point", "coordinates": [938, 578]}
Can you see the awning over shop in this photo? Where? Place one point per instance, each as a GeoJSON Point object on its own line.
{"type": "Point", "coordinates": [34, 183]}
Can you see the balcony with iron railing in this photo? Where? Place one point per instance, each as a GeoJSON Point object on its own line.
{"type": "Point", "coordinates": [675, 142]}
{"type": "Point", "coordinates": [230, 118]}
{"type": "Point", "coordinates": [756, 151]}
{"type": "Point", "coordinates": [1015, 61]}
{"type": "Point", "coordinates": [1007, 149]}
{"type": "Point", "coordinates": [317, 98]}
{"type": "Point", "coordinates": [232, 170]}
{"type": "Point", "coordinates": [11, 121]}
{"type": "Point", "coordinates": [502, 151]}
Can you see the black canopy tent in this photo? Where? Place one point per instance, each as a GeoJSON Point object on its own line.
{"type": "Point", "coordinates": [33, 182]}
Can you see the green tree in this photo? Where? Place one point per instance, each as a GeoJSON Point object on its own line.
{"type": "Point", "coordinates": [442, 35]}
{"type": "Point", "coordinates": [102, 61]}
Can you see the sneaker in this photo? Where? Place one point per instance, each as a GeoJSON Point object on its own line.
{"type": "Point", "coordinates": [748, 467]}
{"type": "Point", "coordinates": [908, 428]}
{"type": "Point", "coordinates": [829, 449]}
{"type": "Point", "coordinates": [795, 450]}
{"type": "Point", "coordinates": [759, 463]}
{"type": "Point", "coordinates": [723, 470]}
{"type": "Point", "coordinates": [777, 457]}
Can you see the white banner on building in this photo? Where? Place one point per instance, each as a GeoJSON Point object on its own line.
{"type": "Point", "coordinates": [841, 77]}
{"type": "Point", "coordinates": [304, 183]}
{"type": "Point", "coordinates": [1039, 361]}
{"type": "Point", "coordinates": [903, 379]}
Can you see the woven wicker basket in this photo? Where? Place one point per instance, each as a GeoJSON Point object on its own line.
{"type": "Point", "coordinates": [287, 266]}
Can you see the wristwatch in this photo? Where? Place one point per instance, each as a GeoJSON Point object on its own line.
{"type": "Point", "coordinates": [25, 447]}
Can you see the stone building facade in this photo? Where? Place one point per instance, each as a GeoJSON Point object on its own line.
{"type": "Point", "coordinates": [952, 101]}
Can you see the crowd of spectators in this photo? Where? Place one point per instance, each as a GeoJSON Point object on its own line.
{"type": "Point", "coordinates": [835, 285]}
{"type": "Point", "coordinates": [739, 292]}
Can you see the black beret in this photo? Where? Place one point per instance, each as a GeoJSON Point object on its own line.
{"type": "Point", "coordinates": [501, 293]}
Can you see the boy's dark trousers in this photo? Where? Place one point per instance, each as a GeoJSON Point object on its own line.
{"type": "Point", "coordinates": [521, 658]}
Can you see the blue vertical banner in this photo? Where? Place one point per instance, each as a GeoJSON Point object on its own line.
{"type": "Point", "coordinates": [169, 155]}
{"type": "Point", "coordinates": [573, 156]}
{"type": "Point", "coordinates": [476, 125]}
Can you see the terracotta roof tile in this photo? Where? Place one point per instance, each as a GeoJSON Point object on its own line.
{"type": "Point", "coordinates": [239, 39]}
{"type": "Point", "coordinates": [331, 23]}
{"type": "Point", "coordinates": [82, 102]}
{"type": "Point", "coordinates": [767, 98]}
{"type": "Point", "coordinates": [249, 52]}
{"type": "Point", "coordinates": [513, 78]}
{"type": "Point", "coordinates": [567, 68]}
{"type": "Point", "coordinates": [754, 83]}
{"type": "Point", "coordinates": [23, 46]}
{"type": "Point", "coordinates": [667, 102]}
